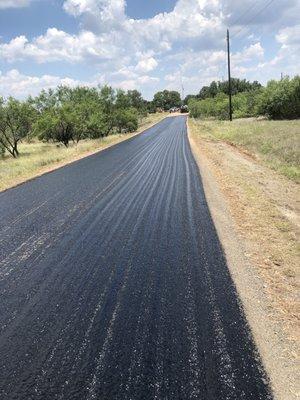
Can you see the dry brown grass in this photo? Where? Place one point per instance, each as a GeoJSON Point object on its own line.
{"type": "Point", "coordinates": [257, 217]}
{"type": "Point", "coordinates": [276, 143]}
{"type": "Point", "coordinates": [265, 209]}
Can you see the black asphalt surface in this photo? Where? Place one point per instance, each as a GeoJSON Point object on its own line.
{"type": "Point", "coordinates": [113, 284]}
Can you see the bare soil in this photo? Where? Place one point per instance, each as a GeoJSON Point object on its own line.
{"type": "Point", "coordinates": [257, 215]}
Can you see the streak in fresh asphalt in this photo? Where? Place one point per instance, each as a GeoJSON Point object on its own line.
{"type": "Point", "coordinates": [113, 283]}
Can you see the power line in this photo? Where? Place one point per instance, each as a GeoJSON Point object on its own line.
{"type": "Point", "coordinates": [254, 16]}
{"type": "Point", "coordinates": [244, 13]}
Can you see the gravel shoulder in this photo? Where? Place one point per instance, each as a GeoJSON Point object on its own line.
{"type": "Point", "coordinates": [256, 213]}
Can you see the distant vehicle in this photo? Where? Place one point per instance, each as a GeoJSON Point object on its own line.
{"type": "Point", "coordinates": [184, 109]}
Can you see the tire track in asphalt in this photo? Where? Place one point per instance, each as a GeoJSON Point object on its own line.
{"type": "Point", "coordinates": [91, 226]}
{"type": "Point", "coordinates": [127, 294]}
{"type": "Point", "coordinates": [129, 205]}
{"type": "Point", "coordinates": [35, 244]}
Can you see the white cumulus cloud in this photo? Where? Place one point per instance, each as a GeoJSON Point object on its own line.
{"type": "Point", "coordinates": [14, 3]}
{"type": "Point", "coordinates": [146, 65]}
{"type": "Point", "coordinates": [289, 36]}
{"type": "Point", "coordinates": [13, 83]}
{"type": "Point", "coordinates": [58, 45]}
{"type": "Point", "coordinates": [190, 39]}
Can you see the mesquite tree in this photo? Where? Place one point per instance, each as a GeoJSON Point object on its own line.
{"type": "Point", "coordinates": [16, 118]}
{"type": "Point", "coordinates": [57, 124]}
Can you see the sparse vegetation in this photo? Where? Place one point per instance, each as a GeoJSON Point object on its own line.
{"type": "Point", "coordinates": [276, 143]}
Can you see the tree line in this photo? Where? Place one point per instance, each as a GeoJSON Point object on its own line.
{"type": "Point", "coordinates": [215, 88]}
{"type": "Point", "coordinates": [71, 114]}
{"type": "Point", "coordinates": [278, 100]}
{"type": "Point", "coordinates": [67, 114]}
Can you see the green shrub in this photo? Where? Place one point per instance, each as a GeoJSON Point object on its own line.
{"type": "Point", "coordinates": [280, 99]}
{"type": "Point", "coordinates": [244, 105]}
{"type": "Point", "coordinates": [126, 120]}
{"type": "Point", "coordinates": [2, 150]}
{"type": "Point", "coordinates": [221, 107]}
{"type": "Point", "coordinates": [211, 107]}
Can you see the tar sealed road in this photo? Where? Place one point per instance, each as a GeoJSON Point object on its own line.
{"type": "Point", "coordinates": [113, 284]}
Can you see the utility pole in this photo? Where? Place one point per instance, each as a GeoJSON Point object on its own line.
{"type": "Point", "coordinates": [229, 76]}
{"type": "Point", "coordinates": [182, 88]}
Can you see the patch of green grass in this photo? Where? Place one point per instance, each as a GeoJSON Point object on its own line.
{"type": "Point", "coordinates": [37, 157]}
{"type": "Point", "coordinates": [276, 143]}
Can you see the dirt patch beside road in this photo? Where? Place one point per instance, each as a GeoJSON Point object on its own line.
{"type": "Point", "coordinates": [256, 214]}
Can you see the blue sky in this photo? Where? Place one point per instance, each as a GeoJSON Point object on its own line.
{"type": "Point", "coordinates": [144, 44]}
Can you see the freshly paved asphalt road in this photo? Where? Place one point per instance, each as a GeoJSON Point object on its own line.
{"type": "Point", "coordinates": [113, 284]}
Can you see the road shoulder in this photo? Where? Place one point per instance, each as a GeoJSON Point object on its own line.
{"type": "Point", "coordinates": [265, 282]}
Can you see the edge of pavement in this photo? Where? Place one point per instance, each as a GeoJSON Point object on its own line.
{"type": "Point", "coordinates": [266, 333]}
{"type": "Point", "coordinates": [63, 164]}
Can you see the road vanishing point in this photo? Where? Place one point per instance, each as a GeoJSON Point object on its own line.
{"type": "Point", "coordinates": [114, 285]}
